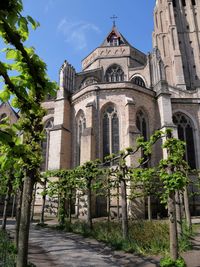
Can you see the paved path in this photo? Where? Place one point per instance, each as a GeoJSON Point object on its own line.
{"type": "Point", "coordinates": [53, 248]}
{"type": "Point", "coordinates": [71, 250]}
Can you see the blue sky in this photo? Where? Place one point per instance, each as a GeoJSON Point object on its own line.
{"type": "Point", "coordinates": [71, 29]}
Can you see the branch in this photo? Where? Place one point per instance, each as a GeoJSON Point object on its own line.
{"type": "Point", "coordinates": [14, 38]}
{"type": "Point", "coordinates": [12, 87]}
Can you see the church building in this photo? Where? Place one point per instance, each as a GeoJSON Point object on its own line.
{"type": "Point", "coordinates": [122, 93]}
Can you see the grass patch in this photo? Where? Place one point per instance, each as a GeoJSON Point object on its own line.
{"type": "Point", "coordinates": [7, 250]}
{"type": "Point", "coordinates": [145, 237]}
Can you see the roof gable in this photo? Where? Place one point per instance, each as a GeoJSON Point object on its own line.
{"type": "Point", "coordinates": [114, 37]}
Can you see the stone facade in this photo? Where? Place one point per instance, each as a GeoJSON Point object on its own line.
{"type": "Point", "coordinates": [121, 92]}
{"type": "Point", "coordinates": [6, 111]}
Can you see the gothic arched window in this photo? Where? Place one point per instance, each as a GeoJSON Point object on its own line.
{"type": "Point", "coordinates": [114, 74]}
{"type": "Point", "coordinates": [2, 117]}
{"type": "Point", "coordinates": [141, 124]}
{"type": "Point", "coordinates": [186, 134]}
{"type": "Point", "coordinates": [45, 144]}
{"type": "Point", "coordinates": [81, 125]}
{"type": "Point", "coordinates": [110, 131]}
{"type": "Point", "coordinates": [89, 81]}
{"type": "Point", "coordinates": [138, 81]}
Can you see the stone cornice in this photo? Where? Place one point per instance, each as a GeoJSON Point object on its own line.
{"type": "Point", "coordinates": [185, 101]}
{"type": "Point", "coordinates": [59, 127]}
{"type": "Point", "coordinates": [102, 87]}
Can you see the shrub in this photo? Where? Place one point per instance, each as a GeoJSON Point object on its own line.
{"type": "Point", "coordinates": [168, 262]}
{"type": "Point", "coordinates": [7, 251]}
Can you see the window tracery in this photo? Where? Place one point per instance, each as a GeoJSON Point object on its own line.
{"type": "Point", "coordinates": [114, 74]}
{"type": "Point", "coordinates": [186, 133]}
{"type": "Point", "coordinates": [138, 81]}
{"type": "Point", "coordinates": [110, 131]}
{"type": "Point", "coordinates": [89, 81]}
{"type": "Point", "coordinates": [141, 124]}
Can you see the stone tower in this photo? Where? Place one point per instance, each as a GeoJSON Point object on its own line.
{"type": "Point", "coordinates": [177, 36]}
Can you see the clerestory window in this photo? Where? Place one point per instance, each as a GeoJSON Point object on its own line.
{"type": "Point", "coordinates": [114, 74]}
{"type": "Point", "coordinates": [186, 134]}
{"type": "Point", "coordinates": [138, 81]}
{"type": "Point", "coordinates": [110, 131]}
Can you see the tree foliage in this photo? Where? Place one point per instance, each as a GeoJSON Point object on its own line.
{"type": "Point", "coordinates": [26, 83]}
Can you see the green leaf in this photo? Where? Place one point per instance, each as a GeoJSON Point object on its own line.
{"type": "Point", "coordinates": [34, 23]}
{"type": "Point", "coordinates": [23, 28]}
{"type": "Point", "coordinates": [4, 95]}
{"type": "Point", "coordinates": [15, 102]}
{"type": "Point", "coordinates": [11, 54]}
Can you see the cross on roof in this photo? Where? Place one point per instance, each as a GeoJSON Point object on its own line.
{"type": "Point", "coordinates": [114, 17]}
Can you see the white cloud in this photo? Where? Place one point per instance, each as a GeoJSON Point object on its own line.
{"type": "Point", "coordinates": [75, 32]}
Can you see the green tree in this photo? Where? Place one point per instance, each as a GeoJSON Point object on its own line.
{"type": "Point", "coordinates": [64, 188]}
{"type": "Point", "coordinates": [88, 176]}
{"type": "Point", "coordinates": [25, 80]}
{"type": "Point", "coordinates": [173, 175]}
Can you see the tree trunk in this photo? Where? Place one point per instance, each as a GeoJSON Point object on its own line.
{"type": "Point", "coordinates": [124, 209]}
{"type": "Point", "coordinates": [187, 208]}
{"type": "Point", "coordinates": [178, 214]}
{"type": "Point", "coordinates": [13, 206]}
{"type": "Point", "coordinates": [61, 211]}
{"type": "Point", "coordinates": [172, 227]}
{"type": "Point", "coordinates": [33, 202]}
{"type": "Point", "coordinates": [70, 207]}
{"type": "Point", "coordinates": [77, 204]}
{"type": "Point", "coordinates": [118, 213]}
{"type": "Point", "coordinates": [43, 204]}
{"type": "Point", "coordinates": [89, 205]}
{"type": "Point", "coordinates": [6, 203]}
{"type": "Point", "coordinates": [108, 205]}
{"type": "Point", "coordinates": [22, 254]}
{"type": "Point", "coordinates": [18, 215]}
{"type": "Point", "coordinates": [149, 208]}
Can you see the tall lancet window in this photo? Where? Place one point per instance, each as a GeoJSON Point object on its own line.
{"type": "Point", "coordinates": [81, 125]}
{"type": "Point", "coordinates": [141, 124]}
{"type": "Point", "coordinates": [186, 134]}
{"type": "Point", "coordinates": [45, 144]}
{"type": "Point", "coordinates": [110, 131]}
{"type": "Point", "coordinates": [114, 74]}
